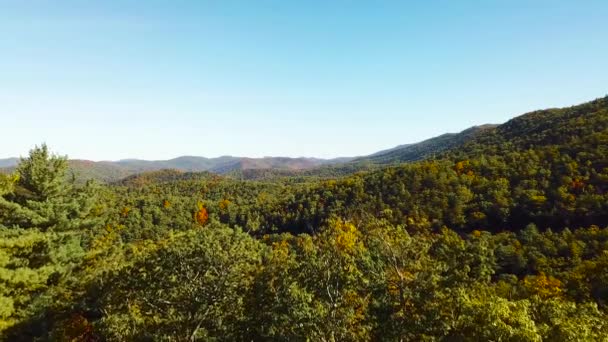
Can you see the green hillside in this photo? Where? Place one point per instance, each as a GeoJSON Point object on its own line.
{"type": "Point", "coordinates": [426, 149]}
{"type": "Point", "coordinates": [573, 130]}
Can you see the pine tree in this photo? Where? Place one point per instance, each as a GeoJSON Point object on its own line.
{"type": "Point", "coordinates": [42, 198]}
{"type": "Point", "coordinates": [42, 221]}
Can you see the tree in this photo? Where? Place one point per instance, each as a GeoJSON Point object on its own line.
{"type": "Point", "coordinates": [42, 221]}
{"type": "Point", "coordinates": [41, 197]}
{"type": "Point", "coordinates": [189, 286]}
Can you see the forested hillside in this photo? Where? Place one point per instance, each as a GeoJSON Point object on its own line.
{"type": "Point", "coordinates": [425, 149]}
{"type": "Point", "coordinates": [502, 236]}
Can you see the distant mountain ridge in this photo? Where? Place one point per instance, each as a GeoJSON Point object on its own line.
{"type": "Point", "coordinates": [8, 162]}
{"type": "Point", "coordinates": [114, 170]}
{"type": "Point", "coordinates": [541, 127]}
{"type": "Point", "coordinates": [109, 171]}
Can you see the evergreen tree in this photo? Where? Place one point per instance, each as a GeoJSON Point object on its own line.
{"type": "Point", "coordinates": [42, 221]}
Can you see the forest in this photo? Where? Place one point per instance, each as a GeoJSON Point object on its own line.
{"type": "Point", "coordinates": [502, 235]}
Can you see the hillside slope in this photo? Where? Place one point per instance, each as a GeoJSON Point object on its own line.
{"type": "Point", "coordinates": [425, 149]}
{"type": "Point", "coordinates": [572, 129]}
{"type": "Point", "coordinates": [548, 168]}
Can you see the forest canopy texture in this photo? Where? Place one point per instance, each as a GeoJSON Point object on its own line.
{"type": "Point", "coordinates": [501, 235]}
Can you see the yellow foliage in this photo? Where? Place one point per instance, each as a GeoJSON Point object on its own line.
{"type": "Point", "coordinates": [280, 250]}
{"type": "Point", "coordinates": [224, 204]}
{"type": "Point", "coordinates": [461, 166]}
{"type": "Point", "coordinates": [347, 236]}
{"type": "Point", "coordinates": [7, 183]}
{"type": "Point", "coordinates": [306, 244]}
{"type": "Point", "coordinates": [135, 312]}
{"type": "Point", "coordinates": [542, 285]}
{"type": "Point", "coordinates": [143, 247]}
{"type": "Point", "coordinates": [125, 211]}
{"type": "Point", "coordinates": [396, 279]}
{"type": "Point", "coordinates": [538, 199]}
{"type": "Point", "coordinates": [166, 204]}
{"type": "Point", "coordinates": [263, 197]}
{"type": "Point", "coordinates": [478, 216]}
{"type": "Point", "coordinates": [517, 245]}
{"type": "Point", "coordinates": [331, 183]}
{"type": "Point", "coordinates": [351, 297]}
{"type": "Point", "coordinates": [431, 167]}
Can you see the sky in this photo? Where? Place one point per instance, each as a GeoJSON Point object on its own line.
{"type": "Point", "coordinates": [108, 80]}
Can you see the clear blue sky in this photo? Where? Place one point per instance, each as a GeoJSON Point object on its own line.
{"type": "Point", "coordinates": [158, 79]}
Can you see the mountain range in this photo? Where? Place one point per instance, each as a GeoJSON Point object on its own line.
{"type": "Point", "coordinates": [109, 171]}
{"type": "Point", "coordinates": [517, 129]}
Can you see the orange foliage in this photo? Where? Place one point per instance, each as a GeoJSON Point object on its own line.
{"type": "Point", "coordinates": [201, 216]}
{"type": "Point", "coordinates": [577, 184]}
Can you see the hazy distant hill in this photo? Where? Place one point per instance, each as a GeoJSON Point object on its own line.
{"type": "Point", "coordinates": [225, 164]}
{"type": "Point", "coordinates": [8, 162]}
{"type": "Point", "coordinates": [110, 171]}
{"type": "Point", "coordinates": [185, 163]}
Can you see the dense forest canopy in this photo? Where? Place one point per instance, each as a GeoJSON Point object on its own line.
{"type": "Point", "coordinates": [501, 235]}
